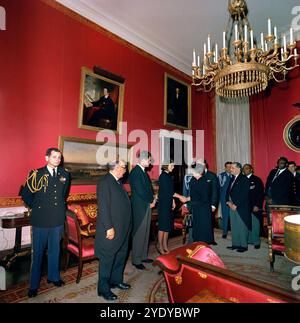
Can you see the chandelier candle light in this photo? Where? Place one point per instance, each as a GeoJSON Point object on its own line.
{"type": "Point", "coordinates": [248, 70]}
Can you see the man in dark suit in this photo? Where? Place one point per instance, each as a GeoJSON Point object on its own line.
{"type": "Point", "coordinates": [45, 194]}
{"type": "Point", "coordinates": [224, 180]}
{"type": "Point", "coordinates": [142, 201]}
{"type": "Point", "coordinates": [238, 200]}
{"type": "Point", "coordinates": [177, 110]}
{"type": "Point", "coordinates": [112, 230]}
{"type": "Point", "coordinates": [256, 205]}
{"type": "Point", "coordinates": [279, 186]}
{"type": "Point", "coordinates": [214, 193]}
{"type": "Point", "coordinates": [102, 112]}
{"type": "Point", "coordinates": [292, 167]}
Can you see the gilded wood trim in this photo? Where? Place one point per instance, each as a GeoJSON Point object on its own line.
{"type": "Point", "coordinates": [17, 201]}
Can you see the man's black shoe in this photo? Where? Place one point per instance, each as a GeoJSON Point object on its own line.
{"type": "Point", "coordinates": [32, 293]}
{"type": "Point", "coordinates": [257, 246]}
{"type": "Point", "coordinates": [213, 243]}
{"type": "Point", "coordinates": [109, 296]}
{"type": "Point", "coordinates": [122, 286]}
{"type": "Point", "coordinates": [58, 283]}
{"type": "Point", "coordinates": [232, 247]}
{"type": "Point", "coordinates": [140, 266]}
{"type": "Point", "coordinates": [242, 249]}
{"type": "Point", "coordinates": [148, 261]}
{"type": "Point", "coordinates": [224, 236]}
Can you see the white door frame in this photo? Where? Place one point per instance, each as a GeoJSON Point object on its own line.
{"type": "Point", "coordinates": [175, 134]}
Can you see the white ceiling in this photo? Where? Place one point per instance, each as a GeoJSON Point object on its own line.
{"type": "Point", "coordinates": [170, 29]}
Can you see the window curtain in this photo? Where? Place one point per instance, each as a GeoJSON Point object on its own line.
{"type": "Point", "coordinates": [233, 136]}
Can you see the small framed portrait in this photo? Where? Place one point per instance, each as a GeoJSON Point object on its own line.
{"type": "Point", "coordinates": [291, 134]}
{"type": "Point", "coordinates": [177, 105]}
{"type": "Point", "coordinates": [101, 102]}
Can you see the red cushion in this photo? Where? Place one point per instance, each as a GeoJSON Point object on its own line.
{"type": "Point", "coordinates": [278, 244]}
{"type": "Point", "coordinates": [178, 225]}
{"type": "Point", "coordinates": [197, 250]}
{"type": "Point", "coordinates": [278, 220]}
{"type": "Point", "coordinates": [87, 248]}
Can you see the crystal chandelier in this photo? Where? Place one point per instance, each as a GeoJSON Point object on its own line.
{"type": "Point", "coordinates": [249, 68]}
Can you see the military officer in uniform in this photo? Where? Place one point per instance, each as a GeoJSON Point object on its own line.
{"type": "Point", "coordinates": [45, 194]}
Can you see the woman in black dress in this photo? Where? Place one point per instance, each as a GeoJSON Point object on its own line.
{"type": "Point", "coordinates": [166, 205]}
{"type": "Point", "coordinates": [201, 206]}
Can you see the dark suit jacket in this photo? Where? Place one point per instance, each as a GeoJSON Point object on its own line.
{"type": "Point", "coordinates": [296, 190]}
{"type": "Point", "coordinates": [281, 189]}
{"type": "Point", "coordinates": [141, 195]}
{"type": "Point", "coordinates": [114, 211]}
{"type": "Point", "coordinates": [256, 193]}
{"type": "Point", "coordinates": [239, 194]}
{"type": "Point", "coordinates": [214, 188]}
{"type": "Point", "coordinates": [48, 205]}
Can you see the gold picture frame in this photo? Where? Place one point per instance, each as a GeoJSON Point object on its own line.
{"type": "Point", "coordinates": [100, 108]}
{"type": "Point", "coordinates": [291, 134]}
{"type": "Point", "coordinates": [177, 103]}
{"type": "Point", "coordinates": [87, 159]}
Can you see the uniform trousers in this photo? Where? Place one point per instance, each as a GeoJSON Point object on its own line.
{"type": "Point", "coordinates": [43, 238]}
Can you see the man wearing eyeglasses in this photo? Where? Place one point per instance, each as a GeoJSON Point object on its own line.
{"type": "Point", "coordinates": [112, 230]}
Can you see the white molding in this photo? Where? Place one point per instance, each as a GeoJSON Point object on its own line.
{"type": "Point", "coordinates": [170, 55]}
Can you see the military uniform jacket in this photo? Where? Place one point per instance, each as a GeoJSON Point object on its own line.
{"type": "Point", "coordinates": [48, 203]}
{"type": "Point", "coordinates": [141, 195]}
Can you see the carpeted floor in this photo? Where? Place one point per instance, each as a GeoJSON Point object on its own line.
{"type": "Point", "coordinates": [148, 285]}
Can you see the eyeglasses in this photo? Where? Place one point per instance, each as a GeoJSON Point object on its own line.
{"type": "Point", "coordinates": [124, 167]}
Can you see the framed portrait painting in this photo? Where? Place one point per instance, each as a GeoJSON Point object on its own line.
{"type": "Point", "coordinates": [291, 134]}
{"type": "Point", "coordinates": [177, 105]}
{"type": "Point", "coordinates": [101, 102]}
{"type": "Point", "coordinates": [87, 159]}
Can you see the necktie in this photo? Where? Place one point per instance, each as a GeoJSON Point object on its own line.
{"type": "Point", "coordinates": [276, 175]}
{"type": "Point", "coordinates": [54, 173]}
{"type": "Point", "coordinates": [233, 182]}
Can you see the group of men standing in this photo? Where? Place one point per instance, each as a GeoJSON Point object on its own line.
{"type": "Point", "coordinates": [118, 219]}
{"type": "Point", "coordinates": [242, 196]}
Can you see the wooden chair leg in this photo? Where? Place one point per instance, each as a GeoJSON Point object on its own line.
{"type": "Point", "coordinates": [272, 266]}
{"type": "Point", "coordinates": [183, 235]}
{"type": "Point", "coordinates": [67, 258]}
{"type": "Point", "coordinates": [80, 266]}
{"type": "Point", "coordinates": [272, 260]}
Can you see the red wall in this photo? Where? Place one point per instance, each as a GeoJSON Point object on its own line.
{"type": "Point", "coordinates": [270, 112]}
{"type": "Point", "coordinates": [41, 55]}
